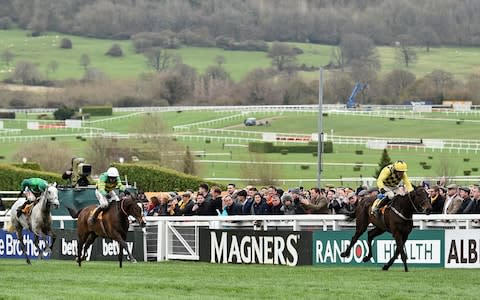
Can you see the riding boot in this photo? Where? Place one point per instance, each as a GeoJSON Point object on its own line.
{"type": "Point", "coordinates": [20, 209]}
{"type": "Point", "coordinates": [376, 207]}
{"type": "Point", "coordinates": [93, 218]}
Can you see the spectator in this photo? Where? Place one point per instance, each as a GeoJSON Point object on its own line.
{"type": "Point", "coordinates": [474, 206]}
{"type": "Point", "coordinates": [153, 207]}
{"type": "Point", "coordinates": [318, 203]}
{"type": "Point", "coordinates": [203, 190]}
{"type": "Point", "coordinates": [276, 208]}
{"type": "Point", "coordinates": [337, 202]}
{"type": "Point", "coordinates": [231, 189]}
{"type": "Point", "coordinates": [362, 194]}
{"type": "Point", "coordinates": [350, 205]}
{"type": "Point", "coordinates": [259, 206]}
{"type": "Point", "coordinates": [270, 192]}
{"type": "Point", "coordinates": [216, 204]}
{"type": "Point", "coordinates": [464, 193]}
{"type": "Point", "coordinates": [452, 201]}
{"type": "Point", "coordinates": [436, 199]}
{"type": "Point", "coordinates": [185, 206]}
{"type": "Point", "coordinates": [201, 207]}
{"type": "Point", "coordinates": [246, 202]}
{"type": "Point", "coordinates": [297, 197]}
{"type": "Point", "coordinates": [171, 205]}
{"type": "Point", "coordinates": [287, 200]}
{"type": "Point", "coordinates": [231, 207]}
{"type": "Point", "coordinates": [373, 192]}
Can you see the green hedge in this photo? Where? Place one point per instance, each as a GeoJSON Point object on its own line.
{"type": "Point", "coordinates": [270, 148]}
{"type": "Point", "coordinates": [11, 177]}
{"type": "Point", "coordinates": [7, 115]}
{"type": "Point", "coordinates": [153, 178]}
{"type": "Point", "coordinates": [98, 110]}
{"type": "Point", "coordinates": [28, 165]}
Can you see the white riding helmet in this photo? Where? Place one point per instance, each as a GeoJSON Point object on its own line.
{"type": "Point", "coordinates": [112, 172]}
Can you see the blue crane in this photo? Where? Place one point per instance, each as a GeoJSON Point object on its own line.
{"type": "Point", "coordinates": [352, 103]}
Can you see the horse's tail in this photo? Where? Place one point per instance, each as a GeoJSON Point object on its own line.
{"type": "Point", "coordinates": [9, 226]}
{"type": "Point", "coordinates": [73, 212]}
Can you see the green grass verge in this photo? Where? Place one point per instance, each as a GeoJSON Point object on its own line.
{"type": "Point", "coordinates": [194, 280]}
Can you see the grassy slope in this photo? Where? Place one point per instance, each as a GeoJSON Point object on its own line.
{"type": "Point", "coordinates": [41, 50]}
{"type": "Point", "coordinates": [188, 280]}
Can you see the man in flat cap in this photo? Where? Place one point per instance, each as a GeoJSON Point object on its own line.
{"type": "Point", "coordinates": [453, 201]}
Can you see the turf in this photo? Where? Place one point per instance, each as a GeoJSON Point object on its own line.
{"type": "Point", "coordinates": [194, 280]}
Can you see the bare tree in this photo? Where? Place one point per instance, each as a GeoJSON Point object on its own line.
{"type": "Point", "coordinates": [404, 52]}
{"type": "Point", "coordinates": [220, 60]}
{"type": "Point", "coordinates": [160, 59]}
{"type": "Point", "coordinates": [395, 82]}
{"type": "Point", "coordinates": [357, 51]}
{"type": "Point", "coordinates": [257, 172]}
{"type": "Point", "coordinates": [102, 152]}
{"type": "Point", "coordinates": [51, 156]}
{"type": "Point", "coordinates": [52, 67]}
{"type": "Point", "coordinates": [84, 61]}
{"type": "Point", "coordinates": [7, 56]}
{"type": "Point", "coordinates": [26, 72]}
{"type": "Point", "coordinates": [283, 56]}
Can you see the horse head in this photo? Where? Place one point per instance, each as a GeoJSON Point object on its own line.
{"type": "Point", "coordinates": [130, 206]}
{"type": "Point", "coordinates": [421, 200]}
{"type": "Point", "coordinates": [51, 196]}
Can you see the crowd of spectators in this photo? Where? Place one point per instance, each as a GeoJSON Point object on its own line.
{"type": "Point", "coordinates": [212, 201]}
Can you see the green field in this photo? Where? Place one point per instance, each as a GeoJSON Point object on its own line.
{"type": "Point", "coordinates": [193, 280]}
{"type": "Point", "coordinates": [227, 159]}
{"type": "Point", "coordinates": [41, 50]}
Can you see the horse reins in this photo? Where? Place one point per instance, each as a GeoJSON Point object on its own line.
{"type": "Point", "coordinates": [121, 207]}
{"type": "Point", "coordinates": [413, 205]}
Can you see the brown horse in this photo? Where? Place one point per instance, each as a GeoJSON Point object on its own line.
{"type": "Point", "coordinates": [397, 219]}
{"type": "Point", "coordinates": [113, 224]}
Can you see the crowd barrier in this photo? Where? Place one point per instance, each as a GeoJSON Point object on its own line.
{"type": "Point", "coordinates": [449, 241]}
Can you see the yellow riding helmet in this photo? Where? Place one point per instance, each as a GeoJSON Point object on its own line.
{"type": "Point", "coordinates": [400, 166]}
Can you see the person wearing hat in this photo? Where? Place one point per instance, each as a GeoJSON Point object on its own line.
{"type": "Point", "coordinates": [436, 199]}
{"type": "Point", "coordinates": [453, 201]}
{"type": "Point", "coordinates": [474, 206]}
{"type": "Point", "coordinates": [388, 181]}
{"type": "Point", "coordinates": [184, 207]}
{"type": "Point", "coordinates": [464, 193]}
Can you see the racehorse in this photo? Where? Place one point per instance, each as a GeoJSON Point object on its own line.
{"type": "Point", "coordinates": [39, 222]}
{"type": "Point", "coordinates": [397, 219]}
{"type": "Point", "coordinates": [113, 224]}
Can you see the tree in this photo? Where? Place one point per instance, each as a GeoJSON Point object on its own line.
{"type": "Point", "coordinates": [51, 156]}
{"type": "Point", "coordinates": [384, 161]}
{"type": "Point", "coordinates": [189, 163]}
{"type": "Point", "coordinates": [220, 60]}
{"type": "Point", "coordinates": [396, 82]}
{"type": "Point", "coordinates": [52, 67]}
{"type": "Point", "coordinates": [66, 43]}
{"type": "Point", "coordinates": [217, 73]}
{"type": "Point", "coordinates": [115, 51]}
{"type": "Point", "coordinates": [356, 51]}
{"type": "Point", "coordinates": [7, 56]}
{"type": "Point", "coordinates": [428, 37]}
{"type": "Point", "coordinates": [84, 61]}
{"type": "Point", "coordinates": [404, 53]}
{"type": "Point", "coordinates": [160, 60]}
{"type": "Point", "coordinates": [283, 56]}
{"type": "Point", "coordinates": [26, 72]}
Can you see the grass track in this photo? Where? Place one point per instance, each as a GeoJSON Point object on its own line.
{"type": "Point", "coordinates": [194, 280]}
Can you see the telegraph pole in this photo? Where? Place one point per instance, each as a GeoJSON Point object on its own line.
{"type": "Point", "coordinates": [320, 128]}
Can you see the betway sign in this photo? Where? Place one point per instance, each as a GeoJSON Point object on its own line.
{"type": "Point", "coordinates": [255, 247]}
{"type": "Point", "coordinates": [462, 248]}
{"type": "Point", "coordinates": [422, 248]}
{"type": "Point", "coordinates": [102, 249]}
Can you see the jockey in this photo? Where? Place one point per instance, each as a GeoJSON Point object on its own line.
{"type": "Point", "coordinates": [106, 184]}
{"type": "Point", "coordinates": [388, 181]}
{"type": "Point", "coordinates": [31, 188]}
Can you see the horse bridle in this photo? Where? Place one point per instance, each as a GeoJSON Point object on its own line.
{"type": "Point", "coordinates": [413, 204]}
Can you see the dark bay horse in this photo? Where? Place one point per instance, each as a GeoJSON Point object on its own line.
{"type": "Point", "coordinates": [113, 224]}
{"type": "Point", "coordinates": [397, 220]}
{"type": "Point", "coordinates": [39, 221]}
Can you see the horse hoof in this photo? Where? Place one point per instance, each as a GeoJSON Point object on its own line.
{"type": "Point", "coordinates": [385, 268]}
{"type": "Point", "coordinates": [343, 254]}
{"type": "Point", "coordinates": [133, 261]}
{"type": "Point", "coordinates": [48, 251]}
{"type": "Point", "coordinates": [366, 259]}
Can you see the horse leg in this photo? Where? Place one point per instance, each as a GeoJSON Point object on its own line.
{"type": "Point", "coordinates": [52, 234]}
{"type": "Point", "coordinates": [90, 239]}
{"type": "Point", "coordinates": [361, 226]}
{"type": "Point", "coordinates": [22, 245]}
{"type": "Point", "coordinates": [403, 255]}
{"type": "Point", "coordinates": [35, 242]}
{"type": "Point", "coordinates": [399, 248]}
{"type": "Point", "coordinates": [123, 245]}
{"type": "Point", "coordinates": [371, 235]}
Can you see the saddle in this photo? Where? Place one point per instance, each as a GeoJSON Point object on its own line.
{"type": "Point", "coordinates": [28, 209]}
{"type": "Point", "coordinates": [100, 215]}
